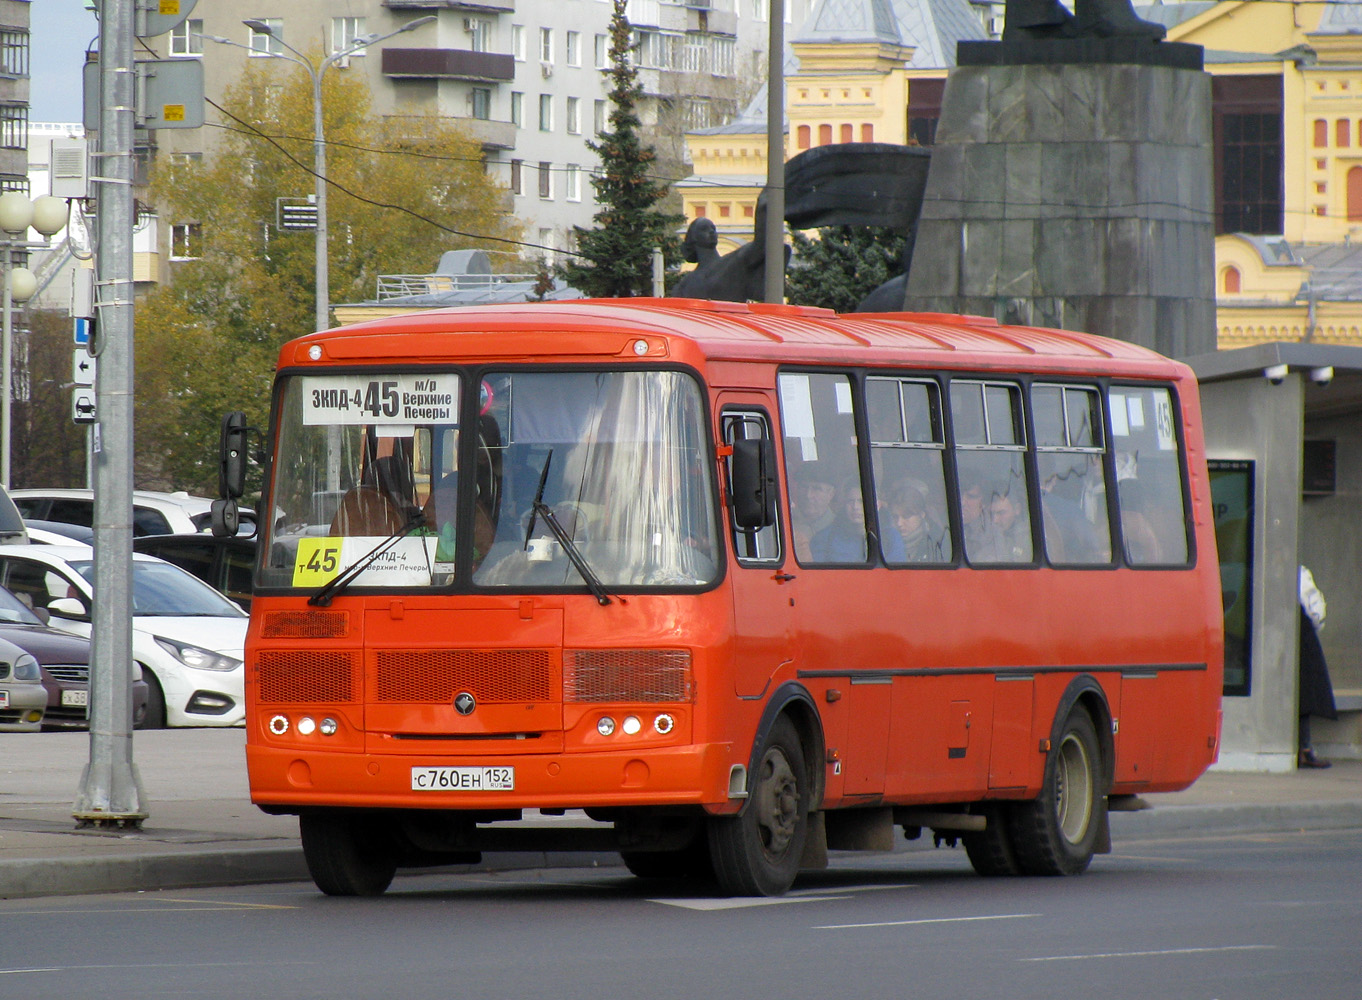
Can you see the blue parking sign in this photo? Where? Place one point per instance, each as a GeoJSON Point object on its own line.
{"type": "Point", "coordinates": [83, 327]}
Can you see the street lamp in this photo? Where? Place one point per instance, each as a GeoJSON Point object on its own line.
{"type": "Point", "coordinates": [318, 135]}
{"type": "Point", "coordinates": [48, 216]}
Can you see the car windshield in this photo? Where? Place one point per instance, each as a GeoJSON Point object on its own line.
{"type": "Point", "coordinates": [162, 590]}
{"type": "Point", "coordinates": [14, 611]}
{"type": "Point", "coordinates": [462, 478]}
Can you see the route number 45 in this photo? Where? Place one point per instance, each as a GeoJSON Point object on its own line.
{"type": "Point", "coordinates": [317, 562]}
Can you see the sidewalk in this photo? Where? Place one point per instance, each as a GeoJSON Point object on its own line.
{"type": "Point", "coordinates": [202, 830]}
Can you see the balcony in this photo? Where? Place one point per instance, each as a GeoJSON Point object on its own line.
{"type": "Point", "coordinates": [481, 6]}
{"type": "Point", "coordinates": [448, 64]}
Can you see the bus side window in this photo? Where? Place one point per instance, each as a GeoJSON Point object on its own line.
{"type": "Point", "coordinates": [1070, 449]}
{"type": "Point", "coordinates": [1149, 491]}
{"type": "Point", "coordinates": [990, 457]}
{"type": "Point", "coordinates": [827, 514]}
{"type": "Point", "coordinates": [907, 448]}
{"type": "Point", "coordinates": [760, 546]}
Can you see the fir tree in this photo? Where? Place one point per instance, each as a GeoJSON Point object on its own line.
{"type": "Point", "coordinates": [617, 256]}
{"type": "Point", "coordinates": [842, 266]}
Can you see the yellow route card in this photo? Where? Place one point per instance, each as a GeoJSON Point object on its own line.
{"type": "Point", "coordinates": [318, 561]}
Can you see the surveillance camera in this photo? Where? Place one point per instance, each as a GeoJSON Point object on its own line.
{"type": "Point", "coordinates": [1276, 374]}
{"type": "Point", "coordinates": [1322, 376]}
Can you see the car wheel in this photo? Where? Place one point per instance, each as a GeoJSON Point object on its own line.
{"type": "Point", "coordinates": [155, 715]}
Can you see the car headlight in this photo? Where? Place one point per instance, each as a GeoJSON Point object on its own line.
{"type": "Point", "coordinates": [197, 656]}
{"type": "Point", "coordinates": [26, 668]}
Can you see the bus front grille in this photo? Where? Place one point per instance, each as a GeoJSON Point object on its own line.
{"type": "Point", "coordinates": [305, 625]}
{"type": "Point", "coordinates": [647, 675]}
{"type": "Point", "coordinates": [436, 675]}
{"type": "Point", "coordinates": [305, 675]}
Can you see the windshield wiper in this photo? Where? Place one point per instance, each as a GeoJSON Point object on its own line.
{"type": "Point", "coordinates": [538, 500]}
{"type": "Point", "coordinates": [322, 598]}
{"type": "Point", "coordinates": [574, 554]}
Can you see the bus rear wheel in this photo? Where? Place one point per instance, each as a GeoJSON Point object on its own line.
{"type": "Point", "coordinates": [346, 856]}
{"type": "Point", "coordinates": [758, 852]}
{"type": "Point", "coordinates": [990, 850]}
{"type": "Point", "coordinates": [1056, 833]}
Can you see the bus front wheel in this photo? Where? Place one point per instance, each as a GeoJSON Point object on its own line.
{"type": "Point", "coordinates": [1056, 833]}
{"type": "Point", "coordinates": [346, 856]}
{"type": "Point", "coordinates": [758, 852]}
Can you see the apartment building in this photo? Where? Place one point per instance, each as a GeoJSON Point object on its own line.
{"type": "Point", "coordinates": [521, 76]}
{"type": "Point", "coordinates": [14, 55]}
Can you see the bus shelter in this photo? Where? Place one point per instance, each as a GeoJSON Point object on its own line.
{"type": "Point", "coordinates": [1284, 444]}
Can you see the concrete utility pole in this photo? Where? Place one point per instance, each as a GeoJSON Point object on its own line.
{"type": "Point", "coordinates": [775, 156]}
{"type": "Point", "coordinates": [110, 792]}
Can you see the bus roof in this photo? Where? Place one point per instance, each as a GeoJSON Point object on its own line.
{"type": "Point", "coordinates": [725, 331]}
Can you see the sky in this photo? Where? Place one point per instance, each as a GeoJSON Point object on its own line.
{"type": "Point", "coordinates": [60, 31]}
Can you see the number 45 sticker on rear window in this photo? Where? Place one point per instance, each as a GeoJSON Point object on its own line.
{"type": "Point", "coordinates": [318, 561]}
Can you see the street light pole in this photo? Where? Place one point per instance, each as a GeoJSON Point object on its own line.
{"type": "Point", "coordinates": [47, 215]}
{"type": "Point", "coordinates": [323, 262]}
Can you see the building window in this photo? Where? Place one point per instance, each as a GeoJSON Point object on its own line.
{"type": "Point", "coordinates": [267, 43]}
{"type": "Point", "coordinates": [345, 31]}
{"type": "Point", "coordinates": [546, 112]}
{"type": "Point", "coordinates": [479, 34]}
{"type": "Point", "coordinates": [1230, 284]}
{"type": "Point", "coordinates": [186, 38]}
{"type": "Point", "coordinates": [546, 45]}
{"type": "Point", "coordinates": [14, 52]}
{"type": "Point", "coordinates": [572, 181]}
{"type": "Point", "coordinates": [598, 118]}
{"type": "Point", "coordinates": [1249, 153]}
{"type": "Point", "coordinates": [574, 116]}
{"type": "Point", "coordinates": [724, 210]}
{"type": "Point", "coordinates": [517, 109]}
{"type": "Point", "coordinates": [867, 133]}
{"type": "Point", "coordinates": [848, 134]}
{"type": "Point", "coordinates": [1321, 133]}
{"type": "Point", "coordinates": [518, 42]}
{"type": "Point", "coordinates": [480, 103]}
{"type": "Point", "coordinates": [805, 136]}
{"type": "Point", "coordinates": [546, 244]}
{"type": "Point", "coordinates": [924, 110]}
{"type": "Point", "coordinates": [574, 48]}
{"type": "Point", "coordinates": [186, 241]}
{"type": "Point", "coordinates": [824, 135]}
{"type": "Point", "coordinates": [1355, 194]}
{"type": "Point", "coordinates": [699, 211]}
{"type": "Point", "coordinates": [546, 180]}
{"type": "Point", "coordinates": [1343, 133]}
{"type": "Point", "coordinates": [602, 51]}
{"type": "Point", "coordinates": [14, 126]}
{"type": "Point", "coordinates": [517, 179]}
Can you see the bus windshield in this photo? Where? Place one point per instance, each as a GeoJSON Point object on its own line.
{"type": "Point", "coordinates": [616, 460]}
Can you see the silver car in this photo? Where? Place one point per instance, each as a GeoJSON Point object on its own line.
{"type": "Point", "coordinates": [23, 698]}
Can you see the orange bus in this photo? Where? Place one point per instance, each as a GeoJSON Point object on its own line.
{"type": "Point", "coordinates": [725, 587]}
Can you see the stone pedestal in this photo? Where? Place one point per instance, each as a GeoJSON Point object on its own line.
{"type": "Point", "coordinates": [1073, 193]}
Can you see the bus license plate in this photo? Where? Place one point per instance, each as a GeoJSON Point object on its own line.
{"type": "Point", "coordinates": [463, 779]}
{"type": "Point", "coordinates": [77, 699]}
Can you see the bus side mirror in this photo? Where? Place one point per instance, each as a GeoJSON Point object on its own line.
{"type": "Point", "coordinates": [224, 517]}
{"type": "Point", "coordinates": [753, 475]}
{"type": "Point", "coordinates": [232, 456]}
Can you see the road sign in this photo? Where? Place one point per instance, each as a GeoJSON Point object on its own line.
{"type": "Point", "coordinates": [83, 405]}
{"type": "Point", "coordinates": [82, 367]}
{"type": "Point", "coordinates": [169, 93]}
{"type": "Point", "coordinates": [297, 218]}
{"type": "Point", "coordinates": [82, 329]}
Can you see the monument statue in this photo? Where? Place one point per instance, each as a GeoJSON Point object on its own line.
{"type": "Point", "coordinates": [1049, 19]}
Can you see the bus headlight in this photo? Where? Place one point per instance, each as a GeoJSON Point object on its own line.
{"type": "Point", "coordinates": [279, 725]}
{"type": "Point", "coordinates": [606, 726]}
{"type": "Point", "coordinates": [632, 725]}
{"type": "Point", "coordinates": [664, 724]}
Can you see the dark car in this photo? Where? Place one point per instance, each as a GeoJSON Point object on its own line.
{"type": "Point", "coordinates": [65, 662]}
{"type": "Point", "coordinates": [225, 564]}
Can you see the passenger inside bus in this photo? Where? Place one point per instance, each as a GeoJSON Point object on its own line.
{"type": "Point", "coordinates": [1011, 524]}
{"type": "Point", "coordinates": [843, 541]}
{"type": "Point", "coordinates": [811, 495]}
{"type": "Point", "coordinates": [384, 500]}
{"type": "Point", "coordinates": [919, 535]}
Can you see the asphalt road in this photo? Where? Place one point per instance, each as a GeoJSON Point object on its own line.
{"type": "Point", "coordinates": [1250, 917]}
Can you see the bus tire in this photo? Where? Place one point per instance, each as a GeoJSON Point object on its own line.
{"type": "Point", "coordinates": [1056, 833]}
{"type": "Point", "coordinates": [757, 852]}
{"type": "Point", "coordinates": [346, 856]}
{"type": "Point", "coordinates": [990, 850]}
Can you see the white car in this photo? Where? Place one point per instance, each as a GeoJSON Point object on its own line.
{"type": "Point", "coordinates": [153, 513]}
{"type": "Point", "coordinates": [186, 636]}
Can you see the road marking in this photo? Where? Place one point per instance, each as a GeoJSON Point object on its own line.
{"type": "Point", "coordinates": [223, 903]}
{"type": "Point", "coordinates": [1150, 954]}
{"type": "Point", "coordinates": [927, 920]}
{"type": "Point", "coordinates": [742, 903]}
{"type": "Point", "coordinates": [853, 888]}
{"type": "Point", "coordinates": [142, 965]}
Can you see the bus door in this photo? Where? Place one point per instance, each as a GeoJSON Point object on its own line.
{"type": "Point", "coordinates": [763, 594]}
